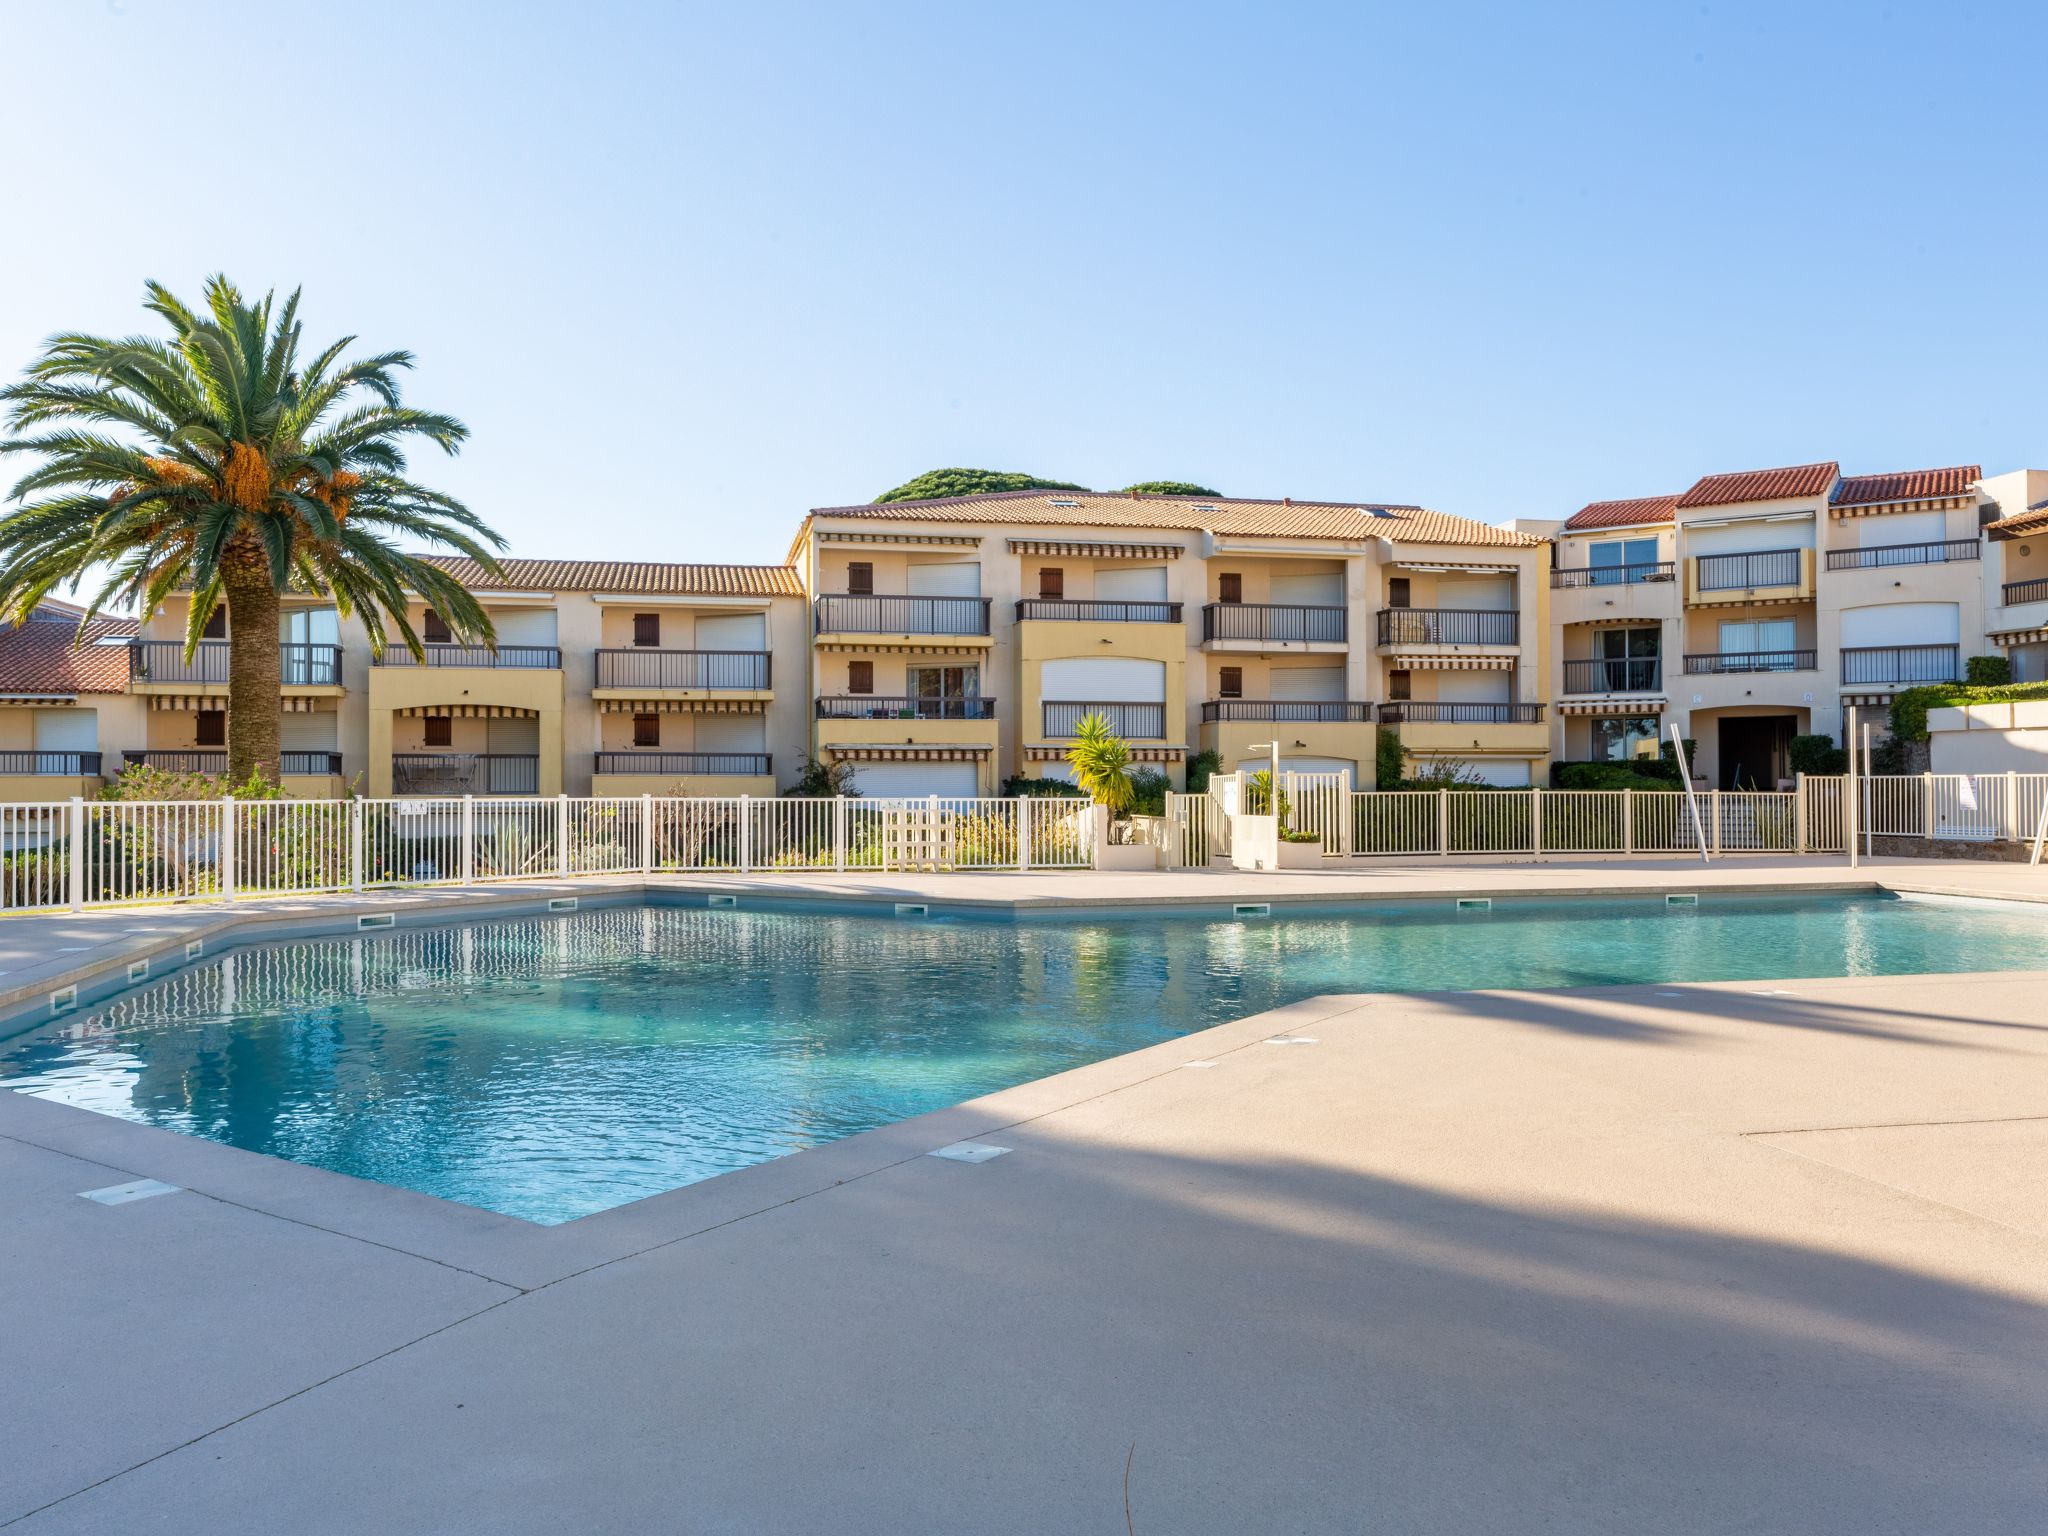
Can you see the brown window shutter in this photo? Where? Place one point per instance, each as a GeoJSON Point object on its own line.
{"type": "Point", "coordinates": [433, 629]}
{"type": "Point", "coordinates": [1397, 591]}
{"type": "Point", "coordinates": [1052, 582]}
{"type": "Point", "coordinates": [212, 728]}
{"type": "Point", "coordinates": [1398, 684]}
{"type": "Point", "coordinates": [860, 578]}
{"type": "Point", "coordinates": [1230, 682]}
{"type": "Point", "coordinates": [647, 730]}
{"type": "Point", "coordinates": [860, 677]}
{"type": "Point", "coordinates": [216, 625]}
{"type": "Point", "coordinates": [647, 629]}
{"type": "Point", "coordinates": [1229, 587]}
{"type": "Point", "coordinates": [440, 730]}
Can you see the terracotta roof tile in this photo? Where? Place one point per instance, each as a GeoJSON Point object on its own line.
{"type": "Point", "coordinates": [1761, 485]}
{"type": "Point", "coordinates": [2033, 520]}
{"type": "Point", "coordinates": [50, 655]}
{"type": "Point", "coordinates": [1228, 517]}
{"type": "Point", "coordinates": [626, 576]}
{"type": "Point", "coordinates": [1621, 514]}
{"type": "Point", "coordinates": [1906, 485]}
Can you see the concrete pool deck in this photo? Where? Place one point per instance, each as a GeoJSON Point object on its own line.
{"type": "Point", "coordinates": [1756, 1256]}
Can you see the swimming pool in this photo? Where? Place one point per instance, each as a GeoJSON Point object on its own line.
{"type": "Point", "coordinates": [550, 1067]}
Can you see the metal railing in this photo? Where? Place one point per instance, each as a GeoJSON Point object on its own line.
{"type": "Point", "coordinates": [706, 670]}
{"type": "Point", "coordinates": [183, 761]}
{"type": "Point", "coordinates": [1087, 611]}
{"type": "Point", "coordinates": [527, 657]}
{"type": "Point", "coordinates": [1299, 623]}
{"type": "Point", "coordinates": [1613, 575]}
{"type": "Point", "coordinates": [465, 773]}
{"type": "Point", "coordinates": [299, 666]}
{"type": "Point", "coordinates": [1974, 808]}
{"type": "Point", "coordinates": [1449, 626]}
{"type": "Point", "coordinates": [1140, 721]}
{"type": "Point", "coordinates": [60, 764]}
{"type": "Point", "coordinates": [2034, 591]}
{"type": "Point", "coordinates": [1615, 674]}
{"type": "Point", "coordinates": [1712, 662]}
{"type": "Point", "coordinates": [1901, 664]}
{"type": "Point", "coordinates": [871, 706]}
{"type": "Point", "coordinates": [1303, 710]}
{"type": "Point", "coordinates": [737, 764]}
{"type": "Point", "coordinates": [1426, 712]}
{"type": "Point", "coordinates": [1879, 556]}
{"type": "Point", "coordinates": [867, 614]}
{"type": "Point", "coordinates": [1748, 572]}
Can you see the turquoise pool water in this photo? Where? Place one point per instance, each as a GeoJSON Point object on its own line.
{"type": "Point", "coordinates": [552, 1067]}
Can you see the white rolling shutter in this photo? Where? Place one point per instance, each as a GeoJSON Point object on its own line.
{"type": "Point", "coordinates": [883, 781]}
{"type": "Point", "coordinates": [1107, 679]}
{"type": "Point", "coordinates": [732, 632]}
{"type": "Point", "coordinates": [953, 578]}
{"type": "Point", "coordinates": [1139, 584]}
{"type": "Point", "coordinates": [1901, 624]}
{"type": "Point", "coordinates": [1320, 684]}
{"type": "Point", "coordinates": [1320, 589]}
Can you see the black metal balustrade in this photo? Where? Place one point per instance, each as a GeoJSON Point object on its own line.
{"type": "Point", "coordinates": [864, 614]}
{"type": "Point", "coordinates": [2034, 591]}
{"type": "Point", "coordinates": [1902, 664]}
{"type": "Point", "coordinates": [64, 764]}
{"type": "Point", "coordinates": [1423, 712]}
{"type": "Point", "coordinates": [731, 764]}
{"type": "Point", "coordinates": [1449, 626]}
{"type": "Point", "coordinates": [1302, 711]}
{"type": "Point", "coordinates": [1614, 575]}
{"type": "Point", "coordinates": [1278, 622]}
{"type": "Point", "coordinates": [1615, 674]}
{"type": "Point", "coordinates": [465, 773]}
{"type": "Point", "coordinates": [705, 670]}
{"type": "Point", "coordinates": [299, 666]}
{"type": "Point", "coordinates": [1143, 722]}
{"type": "Point", "coordinates": [217, 762]}
{"type": "Point", "coordinates": [1716, 662]}
{"type": "Point", "coordinates": [1879, 556]}
{"type": "Point", "coordinates": [869, 706]}
{"type": "Point", "coordinates": [528, 657]}
{"type": "Point", "coordinates": [1086, 611]}
{"type": "Point", "coordinates": [1749, 572]}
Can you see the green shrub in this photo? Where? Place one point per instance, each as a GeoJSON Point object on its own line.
{"type": "Point", "coordinates": [1200, 767]}
{"type": "Point", "coordinates": [1148, 792]}
{"type": "Point", "coordinates": [1388, 759]}
{"type": "Point", "coordinates": [1910, 706]}
{"type": "Point", "coordinates": [1817, 754]}
{"type": "Point", "coordinates": [1041, 788]}
{"type": "Point", "coordinates": [1607, 776]}
{"type": "Point", "coordinates": [1987, 672]}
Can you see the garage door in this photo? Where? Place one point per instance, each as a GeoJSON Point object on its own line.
{"type": "Point", "coordinates": [1512, 773]}
{"type": "Point", "coordinates": [885, 781]}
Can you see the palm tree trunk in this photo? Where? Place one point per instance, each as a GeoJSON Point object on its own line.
{"type": "Point", "coordinates": [255, 706]}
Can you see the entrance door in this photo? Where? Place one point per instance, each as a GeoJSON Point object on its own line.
{"type": "Point", "coordinates": [1756, 750]}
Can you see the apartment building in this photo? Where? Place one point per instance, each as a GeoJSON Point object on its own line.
{"type": "Point", "coordinates": [1759, 605]}
{"type": "Point", "coordinates": [2016, 571]}
{"type": "Point", "coordinates": [958, 642]}
{"type": "Point", "coordinates": [62, 693]}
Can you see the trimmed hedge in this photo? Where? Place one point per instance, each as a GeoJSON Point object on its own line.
{"type": "Point", "coordinates": [1909, 709]}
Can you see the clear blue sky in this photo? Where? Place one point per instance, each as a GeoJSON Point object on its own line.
{"type": "Point", "coordinates": [687, 270]}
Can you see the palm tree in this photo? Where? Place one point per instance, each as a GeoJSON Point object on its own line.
{"type": "Point", "coordinates": [1101, 764]}
{"type": "Point", "coordinates": [216, 462]}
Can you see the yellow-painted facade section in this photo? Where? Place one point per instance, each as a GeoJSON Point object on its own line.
{"type": "Point", "coordinates": [1040, 641]}
{"type": "Point", "coordinates": [1790, 593]}
{"type": "Point", "coordinates": [535, 690]}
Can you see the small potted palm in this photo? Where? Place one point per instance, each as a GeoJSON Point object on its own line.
{"type": "Point", "coordinates": [1292, 850]}
{"type": "Point", "coordinates": [1102, 768]}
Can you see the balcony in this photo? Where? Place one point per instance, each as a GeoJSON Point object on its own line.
{"type": "Point", "coordinates": [1422, 712]}
{"type": "Point", "coordinates": [1274, 623]}
{"type": "Point", "coordinates": [685, 764]}
{"type": "Point", "coordinates": [163, 663]}
{"type": "Point", "coordinates": [1449, 626]}
{"type": "Point", "coordinates": [1886, 664]}
{"type": "Point", "coordinates": [465, 773]}
{"type": "Point", "coordinates": [1767, 575]}
{"type": "Point", "coordinates": [49, 764]}
{"type": "Point", "coordinates": [1615, 575]}
{"type": "Point", "coordinates": [522, 657]}
{"type": "Point", "coordinates": [696, 671]}
{"type": "Point", "coordinates": [1883, 556]}
{"type": "Point", "coordinates": [1082, 611]}
{"type": "Point", "coordinates": [1301, 711]}
{"type": "Point", "coordinates": [2035, 591]}
{"type": "Point", "coordinates": [1715, 663]}
{"type": "Point", "coordinates": [878, 707]}
{"type": "Point", "coordinates": [1132, 722]}
{"type": "Point", "coordinates": [866, 614]}
{"type": "Point", "coordinates": [321, 763]}
{"type": "Point", "coordinates": [1615, 674]}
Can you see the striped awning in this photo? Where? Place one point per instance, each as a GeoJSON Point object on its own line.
{"type": "Point", "coordinates": [682, 706]}
{"type": "Point", "coordinates": [1138, 754]}
{"type": "Point", "coordinates": [1886, 508]}
{"type": "Point", "coordinates": [2018, 636]}
{"type": "Point", "coordinates": [869, 752]}
{"type": "Point", "coordinates": [901, 648]}
{"type": "Point", "coordinates": [1099, 551]}
{"type": "Point", "coordinates": [291, 704]}
{"type": "Point", "coordinates": [1648, 706]}
{"type": "Point", "coordinates": [465, 712]}
{"type": "Point", "coordinates": [848, 536]}
{"type": "Point", "coordinates": [1868, 700]}
{"type": "Point", "coordinates": [1429, 663]}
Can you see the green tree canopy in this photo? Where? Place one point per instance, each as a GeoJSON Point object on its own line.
{"type": "Point", "coordinates": [1168, 488]}
{"type": "Point", "coordinates": [934, 483]}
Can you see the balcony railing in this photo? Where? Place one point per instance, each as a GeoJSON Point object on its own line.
{"type": "Point", "coordinates": [299, 666]}
{"type": "Point", "coordinates": [1145, 722]}
{"type": "Point", "coordinates": [868, 706]}
{"type": "Point", "coordinates": [217, 762]}
{"type": "Point", "coordinates": [1614, 575]}
{"type": "Point", "coordinates": [465, 773]}
{"type": "Point", "coordinates": [1747, 573]}
{"type": "Point", "coordinates": [60, 764]}
{"type": "Point", "coordinates": [1449, 626]}
{"type": "Point", "coordinates": [1902, 664]}
{"type": "Point", "coordinates": [1279, 622]}
{"type": "Point", "coordinates": [530, 657]}
{"type": "Point", "coordinates": [2034, 591]}
{"type": "Point", "coordinates": [1304, 711]}
{"type": "Point", "coordinates": [1715, 662]}
{"type": "Point", "coordinates": [1083, 611]}
{"type": "Point", "coordinates": [870, 615]}
{"type": "Point", "coordinates": [1615, 674]}
{"type": "Point", "coordinates": [1425, 713]}
{"type": "Point", "coordinates": [729, 764]}
{"type": "Point", "coordinates": [1877, 556]}
{"type": "Point", "coordinates": [706, 670]}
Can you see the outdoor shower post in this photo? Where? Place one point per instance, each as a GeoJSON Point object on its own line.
{"type": "Point", "coordinates": [746, 834]}
{"type": "Point", "coordinates": [1023, 833]}
{"type": "Point", "coordinates": [355, 845]}
{"type": "Point", "coordinates": [1443, 822]}
{"type": "Point", "coordinates": [465, 859]}
{"type": "Point", "coordinates": [647, 834]}
{"type": "Point", "coordinates": [1628, 821]}
{"type": "Point", "coordinates": [227, 848]}
{"type": "Point", "coordinates": [562, 836]}
{"type": "Point", "coordinates": [1799, 812]}
{"type": "Point", "coordinates": [74, 866]}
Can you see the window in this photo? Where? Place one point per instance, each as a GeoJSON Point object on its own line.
{"type": "Point", "coordinates": [216, 624]}
{"type": "Point", "coordinates": [1629, 660]}
{"type": "Point", "coordinates": [212, 728]}
{"type": "Point", "coordinates": [1620, 738]}
{"type": "Point", "coordinates": [1230, 682]}
{"type": "Point", "coordinates": [1229, 587]}
{"type": "Point", "coordinates": [1611, 558]}
{"type": "Point", "coordinates": [860, 677]}
{"type": "Point", "coordinates": [647, 629]}
{"type": "Point", "coordinates": [1773, 638]}
{"type": "Point", "coordinates": [1397, 591]}
{"type": "Point", "coordinates": [860, 578]}
{"type": "Point", "coordinates": [647, 730]}
{"type": "Point", "coordinates": [434, 629]}
{"type": "Point", "coordinates": [1052, 582]}
{"type": "Point", "coordinates": [440, 731]}
{"type": "Point", "coordinates": [1400, 685]}
{"type": "Point", "coordinates": [946, 693]}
